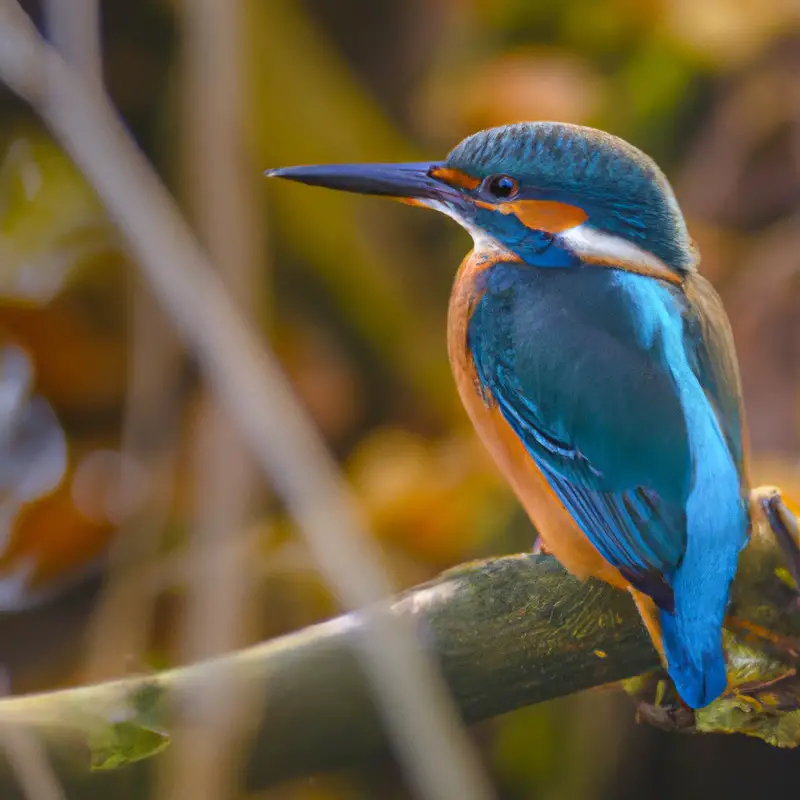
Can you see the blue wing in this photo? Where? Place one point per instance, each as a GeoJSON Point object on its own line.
{"type": "Point", "coordinates": [709, 343]}
{"type": "Point", "coordinates": [633, 529]}
{"type": "Point", "coordinates": [598, 413]}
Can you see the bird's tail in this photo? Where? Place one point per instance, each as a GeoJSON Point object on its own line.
{"type": "Point", "coordinates": [692, 633]}
{"type": "Point", "coordinates": [695, 657]}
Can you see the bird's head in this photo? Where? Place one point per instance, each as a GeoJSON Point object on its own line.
{"type": "Point", "coordinates": [553, 194]}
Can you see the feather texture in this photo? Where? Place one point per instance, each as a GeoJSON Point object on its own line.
{"type": "Point", "coordinates": [625, 394]}
{"type": "Point", "coordinates": [623, 190]}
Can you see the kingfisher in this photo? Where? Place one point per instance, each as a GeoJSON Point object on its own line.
{"type": "Point", "coordinates": [597, 366]}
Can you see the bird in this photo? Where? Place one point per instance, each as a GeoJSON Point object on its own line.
{"type": "Point", "coordinates": [597, 366]}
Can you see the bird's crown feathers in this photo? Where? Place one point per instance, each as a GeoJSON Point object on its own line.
{"type": "Point", "coordinates": [623, 191]}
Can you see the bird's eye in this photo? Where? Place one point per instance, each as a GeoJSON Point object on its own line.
{"type": "Point", "coordinates": [501, 186]}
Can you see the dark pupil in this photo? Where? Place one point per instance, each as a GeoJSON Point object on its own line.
{"type": "Point", "coordinates": [502, 186]}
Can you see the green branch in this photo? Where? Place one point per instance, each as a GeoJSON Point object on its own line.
{"type": "Point", "coordinates": [507, 632]}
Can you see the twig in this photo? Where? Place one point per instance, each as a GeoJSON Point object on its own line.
{"type": "Point", "coordinates": [29, 762]}
{"type": "Point", "coordinates": [251, 387]}
{"type": "Point", "coordinates": [784, 526]}
{"type": "Point", "coordinates": [209, 747]}
{"type": "Point", "coordinates": [74, 29]}
{"type": "Point", "coordinates": [27, 758]}
{"type": "Point", "coordinates": [122, 620]}
{"type": "Point", "coordinates": [74, 32]}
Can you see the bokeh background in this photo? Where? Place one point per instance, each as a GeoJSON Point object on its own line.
{"type": "Point", "coordinates": [111, 449]}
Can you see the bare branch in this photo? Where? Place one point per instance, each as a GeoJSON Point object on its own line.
{"type": "Point", "coordinates": [507, 632]}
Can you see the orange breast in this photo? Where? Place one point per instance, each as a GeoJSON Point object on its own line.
{"type": "Point", "coordinates": [562, 536]}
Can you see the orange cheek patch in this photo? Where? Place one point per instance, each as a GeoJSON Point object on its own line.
{"type": "Point", "coordinates": [455, 177]}
{"type": "Point", "coordinates": [541, 215]}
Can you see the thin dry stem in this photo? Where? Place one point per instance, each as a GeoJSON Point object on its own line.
{"type": "Point", "coordinates": [26, 756]}
{"type": "Point", "coordinates": [74, 29]}
{"type": "Point", "coordinates": [122, 622]}
{"type": "Point", "coordinates": [222, 587]}
{"type": "Point", "coordinates": [29, 762]}
{"type": "Point", "coordinates": [251, 387]}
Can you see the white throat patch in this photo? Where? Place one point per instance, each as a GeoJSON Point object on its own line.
{"type": "Point", "coordinates": [594, 245]}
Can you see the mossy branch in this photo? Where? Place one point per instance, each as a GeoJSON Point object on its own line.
{"type": "Point", "coordinates": [508, 632]}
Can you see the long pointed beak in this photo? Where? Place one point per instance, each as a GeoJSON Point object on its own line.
{"type": "Point", "coordinates": [411, 181]}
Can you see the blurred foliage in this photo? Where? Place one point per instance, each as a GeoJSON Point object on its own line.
{"type": "Point", "coordinates": [357, 289]}
{"type": "Point", "coordinates": [52, 225]}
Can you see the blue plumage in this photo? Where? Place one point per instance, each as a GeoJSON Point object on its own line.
{"type": "Point", "coordinates": [601, 375]}
{"type": "Point", "coordinates": [623, 190]}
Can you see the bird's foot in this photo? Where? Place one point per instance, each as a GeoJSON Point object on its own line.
{"type": "Point", "coordinates": [658, 704]}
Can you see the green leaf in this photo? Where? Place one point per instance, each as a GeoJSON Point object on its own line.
{"type": "Point", "coordinates": [131, 733]}
{"type": "Point", "coordinates": [124, 743]}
